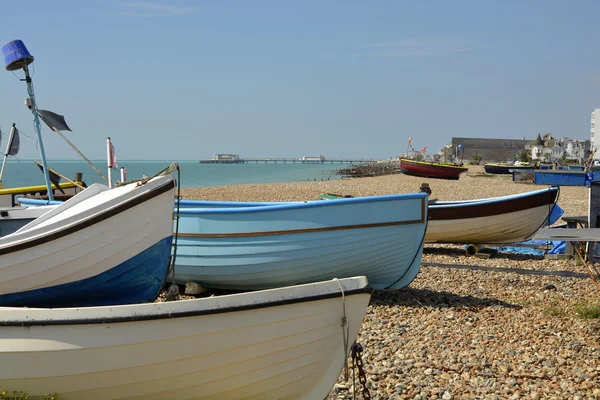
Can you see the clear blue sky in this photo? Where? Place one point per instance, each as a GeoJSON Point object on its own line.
{"type": "Point", "coordinates": [177, 80]}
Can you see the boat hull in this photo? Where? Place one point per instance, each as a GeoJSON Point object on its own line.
{"type": "Point", "coordinates": [431, 170]}
{"type": "Point", "coordinates": [252, 248]}
{"type": "Point", "coordinates": [504, 169]}
{"type": "Point", "coordinates": [507, 219]}
{"type": "Point", "coordinates": [76, 254]}
{"type": "Point", "coordinates": [286, 343]}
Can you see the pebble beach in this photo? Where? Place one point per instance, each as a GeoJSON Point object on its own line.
{"type": "Point", "coordinates": [467, 327]}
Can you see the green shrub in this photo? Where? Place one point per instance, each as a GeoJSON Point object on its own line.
{"type": "Point", "coordinates": [18, 395]}
{"type": "Point", "coordinates": [587, 310]}
{"type": "Point", "coordinates": [554, 311]}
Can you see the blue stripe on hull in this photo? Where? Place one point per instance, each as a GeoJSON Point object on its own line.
{"type": "Point", "coordinates": [136, 280]}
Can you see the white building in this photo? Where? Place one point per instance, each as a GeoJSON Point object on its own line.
{"type": "Point", "coordinates": [595, 144]}
{"type": "Point", "coordinates": [550, 149]}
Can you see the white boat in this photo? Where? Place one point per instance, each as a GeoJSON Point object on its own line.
{"type": "Point", "coordinates": [285, 343]}
{"type": "Point", "coordinates": [101, 247]}
{"type": "Point", "coordinates": [505, 219]}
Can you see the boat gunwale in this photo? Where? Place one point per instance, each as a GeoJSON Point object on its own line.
{"type": "Point", "coordinates": [169, 314]}
{"type": "Point", "coordinates": [281, 206]}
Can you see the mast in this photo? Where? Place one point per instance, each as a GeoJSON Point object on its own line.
{"type": "Point", "coordinates": [16, 56]}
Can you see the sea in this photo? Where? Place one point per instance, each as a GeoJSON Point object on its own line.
{"type": "Point", "coordinates": [193, 174]}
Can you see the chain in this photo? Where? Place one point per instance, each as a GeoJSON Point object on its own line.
{"type": "Point", "coordinates": [357, 350]}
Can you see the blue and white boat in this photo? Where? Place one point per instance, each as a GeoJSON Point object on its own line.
{"type": "Point", "coordinates": [277, 244]}
{"type": "Point", "coordinates": [101, 247]}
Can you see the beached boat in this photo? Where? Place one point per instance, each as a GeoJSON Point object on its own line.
{"type": "Point", "coordinates": [505, 168]}
{"type": "Point", "coordinates": [430, 169]}
{"type": "Point", "coordinates": [101, 247]}
{"type": "Point", "coordinates": [285, 343]}
{"type": "Point", "coordinates": [253, 248]}
{"type": "Point", "coordinates": [506, 219]}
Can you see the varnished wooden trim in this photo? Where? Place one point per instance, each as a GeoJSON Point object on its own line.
{"type": "Point", "coordinates": [92, 221]}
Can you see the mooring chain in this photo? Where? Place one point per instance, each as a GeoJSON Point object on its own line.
{"type": "Point", "coordinates": [357, 363]}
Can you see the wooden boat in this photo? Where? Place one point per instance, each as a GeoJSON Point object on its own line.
{"type": "Point", "coordinates": [285, 343]}
{"type": "Point", "coordinates": [505, 168]}
{"type": "Point", "coordinates": [431, 170]}
{"type": "Point", "coordinates": [103, 246]}
{"type": "Point", "coordinates": [506, 219]}
{"type": "Point", "coordinates": [265, 246]}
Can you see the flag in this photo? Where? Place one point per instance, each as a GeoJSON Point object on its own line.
{"type": "Point", "coordinates": [53, 120]}
{"type": "Point", "coordinates": [111, 156]}
{"type": "Point", "coordinates": [54, 178]}
{"type": "Point", "coordinates": [423, 150]}
{"type": "Point", "coordinates": [13, 144]}
{"type": "Point", "coordinates": [409, 139]}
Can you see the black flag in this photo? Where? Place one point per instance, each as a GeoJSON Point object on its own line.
{"type": "Point", "coordinates": [53, 120]}
{"type": "Point", "coordinates": [55, 179]}
{"type": "Point", "coordinates": [13, 146]}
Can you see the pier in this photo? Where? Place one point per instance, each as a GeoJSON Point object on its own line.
{"type": "Point", "coordinates": [282, 160]}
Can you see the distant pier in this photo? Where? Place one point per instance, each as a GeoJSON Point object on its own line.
{"type": "Point", "coordinates": [301, 160]}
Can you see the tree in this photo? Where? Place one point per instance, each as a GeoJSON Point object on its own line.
{"type": "Point", "coordinates": [547, 156]}
{"type": "Point", "coordinates": [476, 158]}
{"type": "Point", "coordinates": [524, 156]}
{"type": "Point", "coordinates": [564, 157]}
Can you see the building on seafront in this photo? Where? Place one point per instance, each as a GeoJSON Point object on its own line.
{"type": "Point", "coordinates": [544, 148]}
{"type": "Point", "coordinates": [487, 149]}
{"type": "Point", "coordinates": [594, 143]}
{"type": "Point", "coordinates": [549, 149]}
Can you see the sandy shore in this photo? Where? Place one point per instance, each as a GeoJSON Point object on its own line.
{"type": "Point", "coordinates": [460, 330]}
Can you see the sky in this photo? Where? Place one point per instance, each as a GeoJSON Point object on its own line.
{"type": "Point", "coordinates": [184, 80]}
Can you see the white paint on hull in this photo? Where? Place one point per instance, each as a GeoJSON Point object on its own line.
{"type": "Point", "coordinates": [291, 351]}
{"type": "Point", "coordinates": [92, 250]}
{"type": "Point", "coordinates": [503, 228]}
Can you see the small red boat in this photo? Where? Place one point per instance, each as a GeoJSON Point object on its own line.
{"type": "Point", "coordinates": [431, 170]}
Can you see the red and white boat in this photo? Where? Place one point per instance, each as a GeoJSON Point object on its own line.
{"type": "Point", "coordinates": [430, 169]}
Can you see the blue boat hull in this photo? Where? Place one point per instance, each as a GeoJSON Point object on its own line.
{"type": "Point", "coordinates": [560, 178]}
{"type": "Point", "coordinates": [136, 280]}
{"type": "Point", "coordinates": [266, 246]}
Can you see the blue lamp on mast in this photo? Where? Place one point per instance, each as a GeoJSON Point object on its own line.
{"type": "Point", "coordinates": [16, 56]}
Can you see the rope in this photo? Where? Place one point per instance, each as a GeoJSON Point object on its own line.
{"type": "Point", "coordinates": [345, 328]}
{"type": "Point", "coordinates": [81, 154]}
{"type": "Point", "coordinates": [172, 167]}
